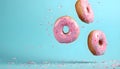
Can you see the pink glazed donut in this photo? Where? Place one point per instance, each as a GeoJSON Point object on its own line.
{"type": "Point", "coordinates": [71, 35]}
{"type": "Point", "coordinates": [97, 42]}
{"type": "Point", "coordinates": [84, 11]}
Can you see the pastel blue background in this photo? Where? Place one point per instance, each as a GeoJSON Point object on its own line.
{"type": "Point", "coordinates": [26, 30]}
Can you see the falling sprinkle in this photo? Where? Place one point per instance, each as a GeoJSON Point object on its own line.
{"type": "Point", "coordinates": [51, 24]}
{"type": "Point", "coordinates": [40, 46]}
{"type": "Point", "coordinates": [103, 61]}
{"type": "Point", "coordinates": [51, 17]}
{"type": "Point", "coordinates": [46, 29]}
{"type": "Point", "coordinates": [40, 24]}
{"type": "Point", "coordinates": [98, 2]}
{"type": "Point", "coordinates": [60, 6]}
{"type": "Point", "coordinates": [48, 34]}
{"type": "Point", "coordinates": [49, 10]}
{"type": "Point", "coordinates": [48, 23]}
{"type": "Point", "coordinates": [83, 26]}
{"type": "Point", "coordinates": [52, 46]}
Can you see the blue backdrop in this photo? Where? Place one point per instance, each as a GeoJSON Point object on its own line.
{"type": "Point", "coordinates": [26, 30]}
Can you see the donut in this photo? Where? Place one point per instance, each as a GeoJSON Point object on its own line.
{"type": "Point", "coordinates": [59, 33]}
{"type": "Point", "coordinates": [84, 11]}
{"type": "Point", "coordinates": [97, 42]}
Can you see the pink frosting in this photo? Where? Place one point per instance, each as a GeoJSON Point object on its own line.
{"type": "Point", "coordinates": [99, 42]}
{"type": "Point", "coordinates": [73, 33]}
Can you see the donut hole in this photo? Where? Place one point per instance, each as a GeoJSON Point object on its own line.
{"type": "Point", "coordinates": [87, 8]}
{"type": "Point", "coordinates": [100, 42]}
{"type": "Point", "coordinates": [65, 29]}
